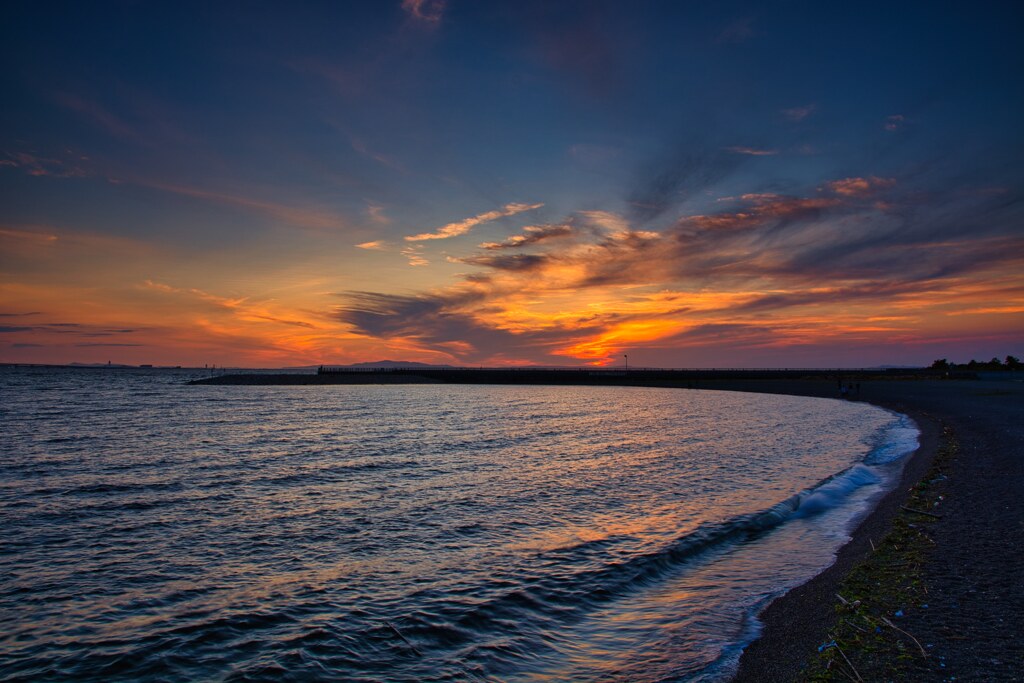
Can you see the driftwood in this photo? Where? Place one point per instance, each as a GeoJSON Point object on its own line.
{"type": "Point", "coordinates": [921, 512]}
{"type": "Point", "coordinates": [892, 625]}
{"type": "Point", "coordinates": [850, 623]}
{"type": "Point", "coordinates": [852, 667]}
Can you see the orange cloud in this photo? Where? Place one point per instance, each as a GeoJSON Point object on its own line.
{"type": "Point", "coordinates": [859, 187]}
{"type": "Point", "coordinates": [465, 225]}
{"type": "Point", "coordinates": [779, 273]}
{"type": "Point", "coordinates": [414, 254]}
{"type": "Point", "coordinates": [532, 234]}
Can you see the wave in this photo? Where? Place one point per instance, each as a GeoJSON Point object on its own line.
{"type": "Point", "coordinates": [895, 442]}
{"type": "Point", "coordinates": [568, 593]}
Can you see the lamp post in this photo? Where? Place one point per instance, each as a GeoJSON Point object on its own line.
{"type": "Point", "coordinates": [626, 356]}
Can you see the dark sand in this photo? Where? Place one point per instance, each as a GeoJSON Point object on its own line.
{"type": "Point", "coordinates": [974, 624]}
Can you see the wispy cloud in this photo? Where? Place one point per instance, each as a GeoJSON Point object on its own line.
{"type": "Point", "coordinates": [511, 262]}
{"type": "Point", "coordinates": [297, 216]}
{"type": "Point", "coordinates": [115, 344]}
{"type": "Point", "coordinates": [35, 165]}
{"type": "Point", "coordinates": [675, 176]}
{"type": "Point", "coordinates": [465, 225]}
{"type": "Point", "coordinates": [414, 254]}
{"type": "Point", "coordinates": [375, 245]}
{"type": "Point", "coordinates": [606, 221]}
{"type": "Point", "coordinates": [30, 236]}
{"type": "Point", "coordinates": [894, 123]}
{"type": "Point", "coordinates": [376, 213]}
{"type": "Point", "coordinates": [532, 234]}
{"type": "Point", "coordinates": [242, 308]}
{"type": "Point", "coordinates": [225, 302]}
{"type": "Point", "coordinates": [752, 151]}
{"type": "Point", "coordinates": [359, 145]}
{"type": "Point", "coordinates": [859, 187]}
{"type": "Point", "coordinates": [797, 114]}
{"type": "Point", "coordinates": [99, 115]}
{"type": "Point", "coordinates": [429, 11]}
{"type": "Point", "coordinates": [74, 249]}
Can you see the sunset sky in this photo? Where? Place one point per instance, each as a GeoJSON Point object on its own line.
{"type": "Point", "coordinates": [692, 184]}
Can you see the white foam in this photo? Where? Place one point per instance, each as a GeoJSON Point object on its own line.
{"type": "Point", "coordinates": [897, 441]}
{"type": "Point", "coordinates": [835, 491]}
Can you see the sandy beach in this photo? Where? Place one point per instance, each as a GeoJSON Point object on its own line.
{"type": "Point", "coordinates": [973, 624]}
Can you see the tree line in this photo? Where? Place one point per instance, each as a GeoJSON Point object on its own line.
{"type": "Point", "coordinates": [1009, 363]}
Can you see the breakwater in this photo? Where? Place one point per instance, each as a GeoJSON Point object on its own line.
{"type": "Point", "coordinates": [565, 376]}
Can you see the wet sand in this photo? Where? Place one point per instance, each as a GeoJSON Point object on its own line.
{"type": "Point", "coordinates": [974, 624]}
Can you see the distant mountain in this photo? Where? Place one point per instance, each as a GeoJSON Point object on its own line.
{"type": "Point", "coordinates": [393, 364]}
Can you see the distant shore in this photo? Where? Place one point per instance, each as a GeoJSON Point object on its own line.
{"type": "Point", "coordinates": [973, 624]}
{"type": "Point", "coordinates": [837, 381]}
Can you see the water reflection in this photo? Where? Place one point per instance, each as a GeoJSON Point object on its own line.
{"type": "Point", "coordinates": [533, 533]}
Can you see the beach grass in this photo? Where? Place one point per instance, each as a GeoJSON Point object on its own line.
{"type": "Point", "coordinates": [867, 642]}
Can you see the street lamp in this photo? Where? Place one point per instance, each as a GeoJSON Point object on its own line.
{"type": "Point", "coordinates": [626, 356]}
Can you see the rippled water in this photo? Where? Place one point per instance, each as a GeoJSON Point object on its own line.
{"type": "Point", "coordinates": [151, 530]}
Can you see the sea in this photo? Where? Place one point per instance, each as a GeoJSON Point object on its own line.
{"type": "Point", "coordinates": [152, 530]}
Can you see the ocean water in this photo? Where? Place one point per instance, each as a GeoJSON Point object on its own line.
{"type": "Point", "coordinates": [151, 530]}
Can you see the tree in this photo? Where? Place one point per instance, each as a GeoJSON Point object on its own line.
{"type": "Point", "coordinates": [940, 364]}
{"type": "Point", "coordinates": [1012, 363]}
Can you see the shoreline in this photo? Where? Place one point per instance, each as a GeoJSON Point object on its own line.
{"type": "Point", "coordinates": [974, 622]}
{"type": "Point", "coordinates": [797, 622]}
{"type": "Point", "coordinates": [975, 612]}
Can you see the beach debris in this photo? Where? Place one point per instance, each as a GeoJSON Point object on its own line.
{"type": "Point", "coordinates": [888, 623]}
{"type": "Point", "coordinates": [850, 664]}
{"type": "Point", "coordinates": [826, 646]}
{"type": "Point", "coordinates": [404, 639]}
{"type": "Point", "coordinates": [899, 613]}
{"type": "Point", "coordinates": [921, 512]}
{"type": "Point", "coordinates": [853, 625]}
{"type": "Point", "coordinates": [873, 548]}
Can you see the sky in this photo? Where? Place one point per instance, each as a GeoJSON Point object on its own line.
{"type": "Point", "coordinates": [731, 184]}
